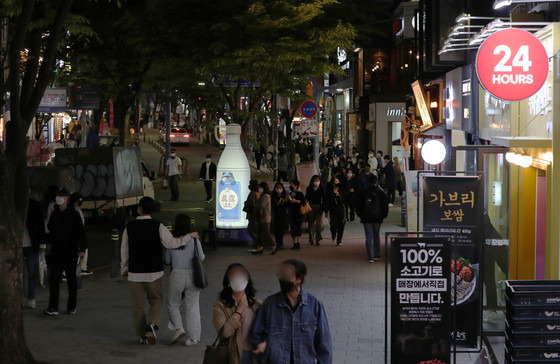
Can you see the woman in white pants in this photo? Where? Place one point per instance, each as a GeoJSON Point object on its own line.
{"type": "Point", "coordinates": [181, 282]}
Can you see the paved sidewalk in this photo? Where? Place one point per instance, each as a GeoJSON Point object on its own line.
{"type": "Point", "coordinates": [101, 331]}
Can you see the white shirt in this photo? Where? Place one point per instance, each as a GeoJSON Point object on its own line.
{"type": "Point", "coordinates": [208, 170]}
{"type": "Point", "coordinates": [167, 240]}
{"type": "Point", "coordinates": [173, 165]}
{"type": "Point", "coordinates": [372, 162]}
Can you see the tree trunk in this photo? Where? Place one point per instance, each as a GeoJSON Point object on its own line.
{"type": "Point", "coordinates": [13, 199]}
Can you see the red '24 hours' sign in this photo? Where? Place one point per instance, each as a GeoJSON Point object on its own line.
{"type": "Point", "coordinates": [512, 64]}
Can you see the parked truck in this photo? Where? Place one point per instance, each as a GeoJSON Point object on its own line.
{"type": "Point", "coordinates": [111, 180]}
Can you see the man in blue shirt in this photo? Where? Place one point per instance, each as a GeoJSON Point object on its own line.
{"type": "Point", "coordinates": [291, 325]}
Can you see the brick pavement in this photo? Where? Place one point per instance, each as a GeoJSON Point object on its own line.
{"type": "Point", "coordinates": [101, 331]}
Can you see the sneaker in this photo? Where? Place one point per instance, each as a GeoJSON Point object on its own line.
{"type": "Point", "coordinates": [391, 205]}
{"type": "Point", "coordinates": [338, 244]}
{"type": "Point", "coordinates": [151, 334]}
{"type": "Point", "coordinates": [190, 342]}
{"type": "Point", "coordinates": [179, 333]}
{"type": "Point", "coordinates": [376, 259]}
{"type": "Point", "coordinates": [86, 272]}
{"type": "Point", "coordinates": [211, 198]}
{"type": "Point", "coordinates": [72, 312]}
{"type": "Point", "coordinates": [31, 304]}
{"type": "Point", "coordinates": [50, 312]}
{"type": "Point", "coordinates": [143, 340]}
{"type": "Point", "coordinates": [370, 261]}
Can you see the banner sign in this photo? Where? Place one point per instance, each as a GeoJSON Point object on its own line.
{"type": "Point", "coordinates": [307, 128]}
{"type": "Point", "coordinates": [53, 100]}
{"type": "Point", "coordinates": [453, 205]}
{"type": "Point", "coordinates": [420, 300]}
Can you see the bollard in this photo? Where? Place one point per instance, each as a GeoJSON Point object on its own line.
{"type": "Point", "coordinates": [169, 226]}
{"type": "Point", "coordinates": [211, 221]}
{"type": "Point", "coordinates": [193, 224]}
{"type": "Point", "coordinates": [116, 259]}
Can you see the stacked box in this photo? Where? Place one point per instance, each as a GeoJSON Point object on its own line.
{"type": "Point", "coordinates": [532, 322]}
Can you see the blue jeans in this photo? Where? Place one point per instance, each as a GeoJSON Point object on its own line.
{"type": "Point", "coordinates": [31, 258]}
{"type": "Point", "coordinates": [373, 242]}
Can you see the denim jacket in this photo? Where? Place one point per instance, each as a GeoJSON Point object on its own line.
{"type": "Point", "coordinates": [307, 329]}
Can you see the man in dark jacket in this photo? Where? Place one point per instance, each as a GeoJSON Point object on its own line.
{"type": "Point", "coordinates": [390, 179]}
{"type": "Point", "coordinates": [208, 175]}
{"type": "Point", "coordinates": [372, 209]}
{"type": "Point", "coordinates": [67, 239]}
{"type": "Point", "coordinates": [34, 241]}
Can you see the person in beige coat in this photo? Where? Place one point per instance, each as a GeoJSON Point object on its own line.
{"type": "Point", "coordinates": [265, 217]}
{"type": "Point", "coordinates": [235, 312]}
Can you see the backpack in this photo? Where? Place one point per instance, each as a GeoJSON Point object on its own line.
{"type": "Point", "coordinates": [371, 208]}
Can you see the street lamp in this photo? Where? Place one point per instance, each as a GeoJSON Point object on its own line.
{"type": "Point", "coordinates": [503, 3]}
{"type": "Point", "coordinates": [433, 152]}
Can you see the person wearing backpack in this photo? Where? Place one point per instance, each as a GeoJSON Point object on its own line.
{"type": "Point", "coordinates": [373, 208]}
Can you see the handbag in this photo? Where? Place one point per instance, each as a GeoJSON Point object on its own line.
{"type": "Point", "coordinates": [305, 208]}
{"type": "Point", "coordinates": [217, 353]}
{"type": "Point", "coordinates": [199, 274]}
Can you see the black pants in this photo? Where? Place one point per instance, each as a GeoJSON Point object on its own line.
{"type": "Point", "coordinates": [282, 176]}
{"type": "Point", "coordinates": [208, 187]}
{"type": "Point", "coordinates": [400, 187]}
{"type": "Point", "coordinates": [337, 228]}
{"type": "Point", "coordinates": [350, 209]}
{"type": "Point", "coordinates": [58, 264]}
{"type": "Point", "coordinates": [258, 159]}
{"type": "Point", "coordinates": [31, 258]}
{"type": "Point", "coordinates": [391, 194]}
{"type": "Point", "coordinates": [174, 187]}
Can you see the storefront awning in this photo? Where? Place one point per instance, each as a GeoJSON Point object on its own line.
{"type": "Point", "coordinates": [434, 130]}
{"type": "Point", "coordinates": [523, 142]}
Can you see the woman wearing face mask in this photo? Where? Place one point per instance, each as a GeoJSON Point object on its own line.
{"type": "Point", "coordinates": [264, 208]}
{"type": "Point", "coordinates": [234, 313]}
{"type": "Point", "coordinates": [315, 195]}
{"type": "Point", "coordinates": [296, 199]}
{"type": "Point", "coordinates": [279, 203]}
{"type": "Point", "coordinates": [327, 173]}
{"type": "Point", "coordinates": [336, 202]}
{"type": "Point", "coordinates": [181, 280]}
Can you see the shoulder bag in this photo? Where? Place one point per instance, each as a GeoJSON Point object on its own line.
{"type": "Point", "coordinates": [217, 353]}
{"type": "Point", "coordinates": [304, 209]}
{"type": "Point", "coordinates": [199, 274]}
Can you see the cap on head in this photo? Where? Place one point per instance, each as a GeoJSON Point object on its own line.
{"type": "Point", "coordinates": [208, 156]}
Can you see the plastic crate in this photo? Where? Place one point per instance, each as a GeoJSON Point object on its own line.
{"type": "Point", "coordinates": [551, 355]}
{"type": "Point", "coordinates": [533, 327]}
{"type": "Point", "coordinates": [510, 359]}
{"type": "Point", "coordinates": [526, 340]}
{"type": "Point", "coordinates": [533, 312]}
{"type": "Point", "coordinates": [533, 292]}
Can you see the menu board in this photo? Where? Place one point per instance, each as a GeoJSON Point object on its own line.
{"type": "Point", "coordinates": [420, 301]}
{"type": "Point", "coordinates": [453, 206]}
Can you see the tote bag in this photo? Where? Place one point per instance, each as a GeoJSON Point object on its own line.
{"type": "Point", "coordinates": [199, 274]}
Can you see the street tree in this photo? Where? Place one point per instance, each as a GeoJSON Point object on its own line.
{"type": "Point", "coordinates": [35, 30]}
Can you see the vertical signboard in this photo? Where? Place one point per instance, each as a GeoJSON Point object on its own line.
{"type": "Point", "coordinates": [453, 205]}
{"type": "Point", "coordinates": [420, 300]}
{"type": "Point", "coordinates": [229, 204]}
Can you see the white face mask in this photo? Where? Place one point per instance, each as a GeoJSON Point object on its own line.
{"type": "Point", "coordinates": [60, 200]}
{"type": "Point", "coordinates": [261, 190]}
{"type": "Point", "coordinates": [316, 183]}
{"type": "Point", "coordinates": [370, 155]}
{"type": "Point", "coordinates": [279, 191]}
{"type": "Point", "coordinates": [349, 175]}
{"type": "Point", "coordinates": [238, 284]}
{"type": "Point", "coordinates": [172, 155]}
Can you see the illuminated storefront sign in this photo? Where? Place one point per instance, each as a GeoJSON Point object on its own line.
{"type": "Point", "coordinates": [512, 64]}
